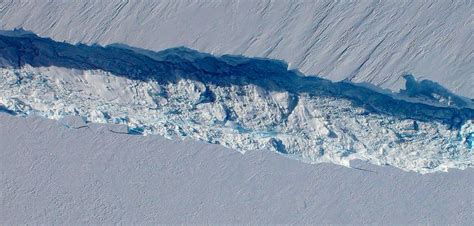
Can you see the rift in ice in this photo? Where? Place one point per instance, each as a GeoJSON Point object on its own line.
{"type": "Point", "coordinates": [239, 102]}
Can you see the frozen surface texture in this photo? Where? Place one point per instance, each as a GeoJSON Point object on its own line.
{"type": "Point", "coordinates": [55, 175]}
{"type": "Point", "coordinates": [386, 82]}
{"type": "Point", "coordinates": [242, 103]}
{"type": "Point", "coordinates": [363, 41]}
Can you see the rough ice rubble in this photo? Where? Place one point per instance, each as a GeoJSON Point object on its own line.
{"type": "Point", "coordinates": [243, 118]}
{"type": "Point", "coordinates": [245, 104]}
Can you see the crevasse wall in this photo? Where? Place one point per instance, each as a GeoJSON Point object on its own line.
{"type": "Point", "coordinates": [362, 41]}
{"type": "Point", "coordinates": [242, 103]}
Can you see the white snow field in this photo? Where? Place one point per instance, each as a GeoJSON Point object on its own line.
{"type": "Point", "coordinates": [384, 88]}
{"type": "Point", "coordinates": [55, 175]}
{"type": "Point", "coordinates": [362, 41]}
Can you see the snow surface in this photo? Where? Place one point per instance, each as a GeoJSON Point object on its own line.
{"type": "Point", "coordinates": [363, 41]}
{"type": "Point", "coordinates": [242, 103]}
{"type": "Point", "coordinates": [54, 175]}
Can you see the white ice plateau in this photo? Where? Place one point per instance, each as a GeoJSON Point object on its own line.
{"type": "Point", "coordinates": [239, 102]}
{"type": "Point", "coordinates": [370, 41]}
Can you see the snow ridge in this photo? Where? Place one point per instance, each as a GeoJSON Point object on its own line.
{"type": "Point", "coordinates": [239, 102]}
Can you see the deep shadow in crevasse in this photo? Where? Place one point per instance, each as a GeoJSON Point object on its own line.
{"type": "Point", "coordinates": [171, 65]}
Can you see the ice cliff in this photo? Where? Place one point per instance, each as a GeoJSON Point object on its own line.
{"type": "Point", "coordinates": [243, 103]}
{"type": "Point", "coordinates": [369, 41]}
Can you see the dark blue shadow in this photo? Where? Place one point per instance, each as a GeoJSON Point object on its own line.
{"type": "Point", "coordinates": [170, 65]}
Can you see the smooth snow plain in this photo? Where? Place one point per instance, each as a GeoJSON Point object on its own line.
{"type": "Point", "coordinates": [368, 41]}
{"type": "Point", "coordinates": [90, 175]}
